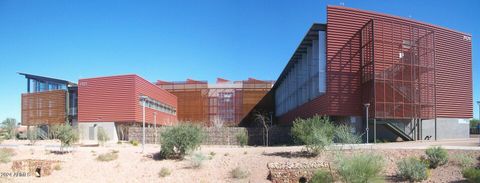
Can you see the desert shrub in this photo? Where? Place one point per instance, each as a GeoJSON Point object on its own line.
{"type": "Point", "coordinates": [463, 160]}
{"type": "Point", "coordinates": [134, 142]}
{"type": "Point", "coordinates": [6, 154]}
{"type": "Point", "coordinates": [316, 133]}
{"type": "Point", "coordinates": [212, 153]}
{"type": "Point", "coordinates": [242, 139]}
{"type": "Point", "coordinates": [360, 167]}
{"type": "Point", "coordinates": [102, 136]}
{"type": "Point", "coordinates": [107, 157]}
{"type": "Point", "coordinates": [8, 128]}
{"type": "Point", "coordinates": [180, 139]}
{"type": "Point", "coordinates": [321, 176]}
{"type": "Point", "coordinates": [67, 135]}
{"type": "Point", "coordinates": [32, 135]}
{"type": "Point", "coordinates": [474, 123]}
{"type": "Point", "coordinates": [197, 160]}
{"type": "Point", "coordinates": [57, 167]}
{"type": "Point", "coordinates": [239, 173]}
{"type": "Point", "coordinates": [436, 156]}
{"type": "Point", "coordinates": [471, 174]}
{"type": "Point", "coordinates": [53, 131]}
{"type": "Point", "coordinates": [344, 135]}
{"type": "Point", "coordinates": [164, 172]}
{"type": "Point", "coordinates": [412, 169]}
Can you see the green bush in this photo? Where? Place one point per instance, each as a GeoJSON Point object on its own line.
{"type": "Point", "coordinates": [239, 173]}
{"type": "Point", "coordinates": [344, 135]}
{"type": "Point", "coordinates": [67, 135]}
{"type": "Point", "coordinates": [102, 136]}
{"type": "Point", "coordinates": [53, 131]}
{"type": "Point", "coordinates": [436, 156]}
{"type": "Point", "coordinates": [471, 174]}
{"type": "Point", "coordinates": [361, 168]}
{"type": "Point", "coordinates": [242, 139]}
{"type": "Point", "coordinates": [321, 176]}
{"type": "Point", "coordinates": [8, 128]}
{"type": "Point", "coordinates": [474, 123]}
{"type": "Point", "coordinates": [32, 135]}
{"type": "Point", "coordinates": [181, 139]}
{"type": "Point", "coordinates": [197, 160]}
{"type": "Point", "coordinates": [134, 142]}
{"type": "Point", "coordinates": [6, 154]}
{"type": "Point", "coordinates": [463, 160]}
{"type": "Point", "coordinates": [107, 156]}
{"type": "Point", "coordinates": [316, 133]}
{"type": "Point", "coordinates": [412, 169]}
{"type": "Point", "coordinates": [164, 172]}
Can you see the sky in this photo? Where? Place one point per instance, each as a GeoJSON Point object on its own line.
{"type": "Point", "coordinates": [176, 40]}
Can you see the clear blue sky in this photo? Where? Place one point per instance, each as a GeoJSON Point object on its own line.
{"type": "Point", "coordinates": [176, 40]}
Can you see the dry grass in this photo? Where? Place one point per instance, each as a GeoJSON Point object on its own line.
{"type": "Point", "coordinates": [164, 172]}
{"type": "Point", "coordinates": [239, 173]}
{"type": "Point", "coordinates": [57, 167]}
{"type": "Point", "coordinates": [6, 154]}
{"type": "Point", "coordinates": [107, 157]}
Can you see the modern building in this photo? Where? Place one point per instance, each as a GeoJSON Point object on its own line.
{"type": "Point", "coordinates": [224, 103]}
{"type": "Point", "coordinates": [415, 77]}
{"type": "Point", "coordinates": [48, 101]}
{"type": "Point", "coordinates": [113, 103]}
{"type": "Point", "coordinates": [116, 103]}
{"type": "Point", "coordinates": [391, 77]}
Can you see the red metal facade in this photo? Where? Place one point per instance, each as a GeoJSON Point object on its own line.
{"type": "Point", "coordinates": [117, 99]}
{"type": "Point", "coordinates": [452, 57]}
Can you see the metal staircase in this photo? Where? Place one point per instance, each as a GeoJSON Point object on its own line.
{"type": "Point", "coordinates": [396, 130]}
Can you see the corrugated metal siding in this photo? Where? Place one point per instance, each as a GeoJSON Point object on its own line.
{"type": "Point", "coordinates": [143, 87]}
{"type": "Point", "coordinates": [343, 97]}
{"type": "Point", "coordinates": [116, 98]}
{"type": "Point", "coordinates": [106, 99]}
{"type": "Point", "coordinates": [453, 58]}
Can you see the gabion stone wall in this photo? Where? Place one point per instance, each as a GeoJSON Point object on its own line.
{"type": "Point", "coordinates": [221, 136]}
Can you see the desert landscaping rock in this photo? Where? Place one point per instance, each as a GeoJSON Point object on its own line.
{"type": "Point", "coordinates": [133, 166]}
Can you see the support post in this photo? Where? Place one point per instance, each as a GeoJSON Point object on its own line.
{"type": "Point", "coordinates": [374, 130]}
{"type": "Point", "coordinates": [155, 126]}
{"type": "Point", "coordinates": [143, 129]}
{"type": "Point", "coordinates": [366, 117]}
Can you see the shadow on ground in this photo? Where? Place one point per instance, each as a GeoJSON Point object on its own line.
{"type": "Point", "coordinates": [297, 154]}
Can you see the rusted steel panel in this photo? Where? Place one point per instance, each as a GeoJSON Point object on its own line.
{"type": "Point", "coordinates": [199, 103]}
{"type": "Point", "coordinates": [44, 108]}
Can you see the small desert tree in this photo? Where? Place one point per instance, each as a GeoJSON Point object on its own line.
{"type": "Point", "coordinates": [102, 136]}
{"type": "Point", "coordinates": [32, 135]}
{"type": "Point", "coordinates": [344, 135]}
{"type": "Point", "coordinates": [217, 122]}
{"type": "Point", "coordinates": [67, 135]}
{"type": "Point", "coordinates": [9, 127]}
{"type": "Point", "coordinates": [265, 121]}
{"type": "Point", "coordinates": [181, 139]}
{"type": "Point", "coordinates": [316, 133]}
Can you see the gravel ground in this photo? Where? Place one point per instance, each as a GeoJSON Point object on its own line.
{"type": "Point", "coordinates": [133, 166]}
